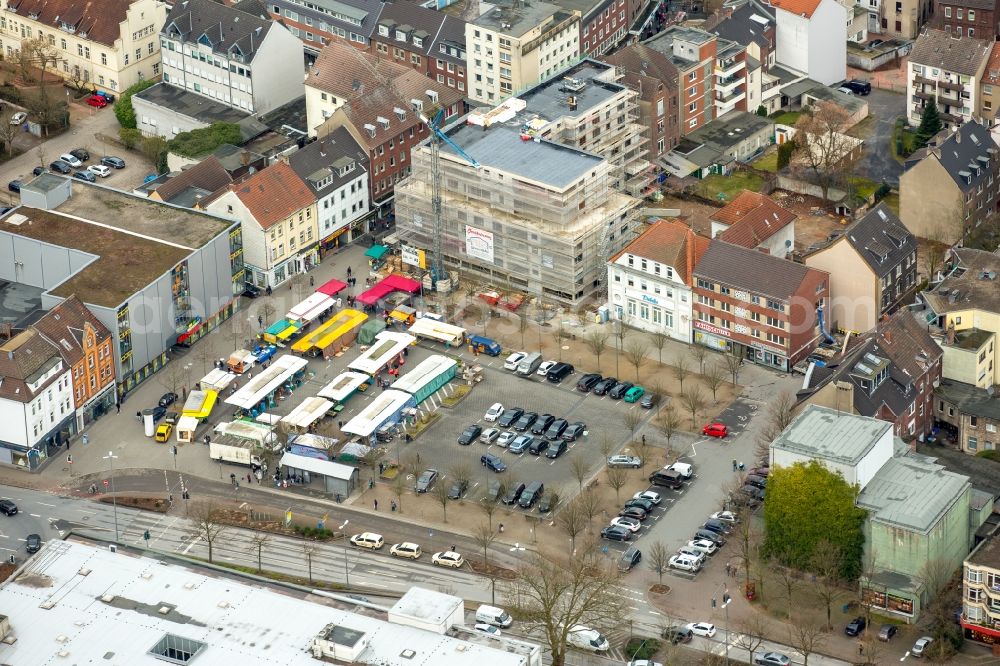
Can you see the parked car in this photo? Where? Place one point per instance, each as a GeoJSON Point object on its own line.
{"type": "Point", "coordinates": [667, 478]}
{"type": "Point", "coordinates": [855, 626]}
{"type": "Point", "coordinates": [683, 562]}
{"type": "Point", "coordinates": [858, 87]}
{"type": "Point", "coordinates": [80, 154]}
{"type": "Point", "coordinates": [678, 635]}
{"type": "Point", "coordinates": [513, 493]}
{"type": "Point", "coordinates": [645, 504]}
{"type": "Point", "coordinates": [489, 435]}
{"type": "Point", "coordinates": [634, 462]}
{"type": "Point", "coordinates": [538, 446]}
{"type": "Point", "coordinates": [18, 118]}
{"type": "Point", "coordinates": [556, 449]}
{"type": "Point", "coordinates": [367, 540]}
{"type": "Point", "coordinates": [634, 393]}
{"type": "Point", "coordinates": [113, 162]}
{"type": "Point", "coordinates": [920, 647]}
{"type": "Point", "coordinates": [494, 412]}
{"type": "Point", "coordinates": [85, 175]}
{"type": "Point", "coordinates": [587, 382]}
{"type": "Point", "coordinates": [106, 95]}
{"type": "Point", "coordinates": [631, 557]}
{"type": "Point", "coordinates": [631, 524]}
{"type": "Point", "coordinates": [649, 401]}
{"type": "Point", "coordinates": [38, 171]}
{"type": "Point", "coordinates": [14, 186]}
{"type": "Point", "coordinates": [702, 629]}
{"type": "Point", "coordinates": [573, 431]}
{"type": "Point", "coordinates": [718, 539]}
{"type": "Point", "coordinates": [846, 91]}
{"type": "Point", "coordinates": [448, 558]}
{"type": "Point", "coordinates": [167, 399]}
{"type": "Point", "coordinates": [493, 463]}
{"type": "Point", "coordinates": [648, 495]}
{"type": "Point", "coordinates": [603, 386]}
{"type": "Point", "coordinates": [717, 526]}
{"type": "Point", "coordinates": [521, 443]}
{"type": "Point", "coordinates": [542, 424]}
{"type": "Point", "coordinates": [526, 421]}
{"type": "Point", "coordinates": [715, 430]}
{"type": "Point", "coordinates": [159, 413]}
{"type": "Point", "coordinates": [684, 469]}
{"type": "Point", "coordinates": [544, 368]}
{"type": "Point", "coordinates": [702, 545]}
{"type": "Point", "coordinates": [458, 489]}
{"type": "Point", "coordinates": [636, 512]}
{"type": "Point", "coordinates": [99, 170]}
{"type": "Point", "coordinates": [512, 360]}
{"type": "Point", "coordinates": [33, 543]}
{"type": "Point", "coordinates": [61, 167]}
{"type": "Point", "coordinates": [97, 101]}
{"type": "Point", "coordinates": [559, 372]}
{"type": "Point", "coordinates": [725, 516]}
{"type": "Point", "coordinates": [619, 390]}
{"type": "Point", "coordinates": [756, 481]}
{"type": "Point", "coordinates": [693, 554]}
{"type": "Point", "coordinates": [753, 491]}
{"type": "Point", "coordinates": [886, 632]}
{"type": "Point", "coordinates": [426, 480]}
{"type": "Point", "coordinates": [506, 437]}
{"type": "Point", "coordinates": [772, 659]}
{"type": "Point", "coordinates": [71, 159]}
{"type": "Point", "coordinates": [8, 508]}
{"type": "Point", "coordinates": [406, 549]}
{"type": "Point", "coordinates": [163, 432]}
{"type": "Point", "coordinates": [509, 417]}
{"type": "Point", "coordinates": [249, 290]}
{"type": "Point", "coordinates": [556, 429]}
{"type": "Point", "coordinates": [469, 435]}
{"type": "Point", "coordinates": [616, 534]}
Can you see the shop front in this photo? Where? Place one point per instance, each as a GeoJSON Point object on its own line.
{"type": "Point", "coordinates": [712, 337]}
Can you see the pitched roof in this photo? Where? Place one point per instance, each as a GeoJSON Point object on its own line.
{"type": "Point", "coordinates": [908, 343]}
{"type": "Point", "coordinates": [208, 174]}
{"type": "Point", "coordinates": [273, 194]}
{"type": "Point", "coordinates": [348, 72]}
{"type": "Point", "coordinates": [225, 29]}
{"type": "Point", "coordinates": [432, 26]}
{"type": "Point", "coordinates": [64, 327]}
{"type": "Point", "coordinates": [965, 153]}
{"type": "Point", "coordinates": [99, 21]}
{"type": "Point", "coordinates": [973, 285]}
{"type": "Point", "coordinates": [797, 7]}
{"type": "Point", "coordinates": [323, 158]}
{"type": "Point", "coordinates": [912, 492]}
{"type": "Point", "coordinates": [881, 239]}
{"type": "Point", "coordinates": [23, 359]}
{"type": "Point", "coordinates": [671, 243]}
{"type": "Point", "coordinates": [751, 270]}
{"type": "Point", "coordinates": [745, 25]}
{"type": "Point", "coordinates": [752, 218]}
{"type": "Point", "coordinates": [939, 49]}
{"type": "Point", "coordinates": [991, 75]}
{"type": "Point", "coordinates": [641, 59]}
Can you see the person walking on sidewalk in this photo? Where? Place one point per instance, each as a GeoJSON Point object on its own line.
{"type": "Point", "coordinates": [375, 504]}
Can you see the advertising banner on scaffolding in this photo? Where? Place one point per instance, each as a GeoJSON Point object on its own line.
{"type": "Point", "coordinates": [479, 244]}
{"type": "Point", "coordinates": [413, 256]}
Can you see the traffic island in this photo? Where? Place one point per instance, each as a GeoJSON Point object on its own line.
{"type": "Point", "coordinates": [158, 504]}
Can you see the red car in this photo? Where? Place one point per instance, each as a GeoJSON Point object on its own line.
{"type": "Point", "coordinates": [715, 430]}
{"type": "Point", "coordinates": [97, 101]}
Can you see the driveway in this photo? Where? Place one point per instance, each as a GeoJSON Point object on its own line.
{"type": "Point", "coordinates": [878, 163]}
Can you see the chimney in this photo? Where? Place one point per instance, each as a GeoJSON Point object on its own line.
{"type": "Point", "coordinates": [571, 100]}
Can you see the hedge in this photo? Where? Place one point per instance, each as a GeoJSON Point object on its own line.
{"type": "Point", "coordinates": [202, 141]}
{"type": "Point", "coordinates": [123, 106]}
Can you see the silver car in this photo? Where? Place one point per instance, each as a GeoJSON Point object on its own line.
{"type": "Point", "coordinates": [506, 437]}
{"type": "Point", "coordinates": [625, 461]}
{"type": "Point", "coordinates": [426, 480]}
{"type": "Point", "coordinates": [489, 435]}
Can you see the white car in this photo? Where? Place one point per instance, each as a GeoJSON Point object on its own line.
{"type": "Point", "coordinates": [99, 170]}
{"type": "Point", "coordinates": [494, 412]}
{"type": "Point", "coordinates": [630, 524]}
{"type": "Point", "coordinates": [724, 516]}
{"type": "Point", "coordinates": [702, 629]}
{"type": "Point", "coordinates": [683, 563]}
{"type": "Point", "coordinates": [702, 545]}
{"type": "Point", "coordinates": [513, 360]}
{"type": "Point", "coordinates": [505, 438]}
{"type": "Point", "coordinates": [18, 118]}
{"type": "Point", "coordinates": [449, 558]}
{"type": "Point", "coordinates": [684, 469]}
{"type": "Point", "coordinates": [406, 549]}
{"type": "Point", "coordinates": [70, 160]}
{"type": "Point", "coordinates": [544, 368]}
{"type": "Point", "coordinates": [648, 495]}
{"type": "Point", "coordinates": [692, 553]}
{"type": "Point", "coordinates": [368, 540]}
{"type": "Point", "coordinates": [486, 629]}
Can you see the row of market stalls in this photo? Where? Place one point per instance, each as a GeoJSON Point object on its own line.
{"type": "Point", "coordinates": [385, 353]}
{"type": "Point", "coordinates": [269, 386]}
{"type": "Point", "coordinates": [333, 336]}
{"type": "Point", "coordinates": [438, 331]}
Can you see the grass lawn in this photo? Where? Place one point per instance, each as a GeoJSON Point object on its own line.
{"type": "Point", "coordinates": [768, 162]}
{"type": "Point", "coordinates": [909, 138]}
{"type": "Point", "coordinates": [726, 188]}
{"type": "Point", "coordinates": [864, 187]}
{"type": "Point", "coordinates": [787, 117]}
{"type": "Point", "coordinates": [892, 201]}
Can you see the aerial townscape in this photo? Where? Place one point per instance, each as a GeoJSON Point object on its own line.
{"type": "Point", "coordinates": [499, 332]}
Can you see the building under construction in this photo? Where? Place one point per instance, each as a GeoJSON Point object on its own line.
{"type": "Point", "coordinates": [544, 211]}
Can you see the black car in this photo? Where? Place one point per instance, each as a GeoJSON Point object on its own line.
{"type": "Point", "coordinates": [631, 557]}
{"type": "Point", "coordinates": [167, 399]}
{"type": "Point", "coordinates": [559, 372]}
{"type": "Point", "coordinates": [159, 413]}
{"type": "Point", "coordinates": [80, 154]}
{"type": "Point", "coordinates": [548, 502]}
{"type": "Point", "coordinates": [887, 631]}
{"type": "Point", "coordinates": [38, 171]}
{"type": "Point", "coordinates": [542, 424]}
{"type": "Point", "coordinates": [8, 508]}
{"type": "Point", "coordinates": [716, 526]}
{"type": "Point", "coordinates": [679, 634]}
{"type": "Point", "coordinates": [603, 386]}
{"type": "Point", "coordinates": [85, 175]}
{"type": "Point", "coordinates": [649, 401]}
{"type": "Point", "coordinates": [644, 504]}
{"type": "Point", "coordinates": [614, 533]}
{"type": "Point", "coordinates": [858, 87]}
{"type": "Point", "coordinates": [525, 420]}
{"type": "Point", "coordinates": [251, 291]}
{"type": "Point", "coordinates": [555, 450]}
{"type": "Point", "coordinates": [513, 494]}
{"type": "Point", "coordinates": [61, 167]}
{"type": "Point", "coordinates": [113, 162]}
{"type": "Point", "coordinates": [756, 481]}
{"type": "Point", "coordinates": [587, 382]}
{"type": "Point", "coordinates": [636, 512]}
{"type": "Point", "coordinates": [33, 543]}
{"type": "Point", "coordinates": [855, 626]}
{"type": "Point", "coordinates": [573, 431]}
{"type": "Point", "coordinates": [537, 447]}
{"type": "Point", "coordinates": [753, 491]}
{"type": "Point", "coordinates": [556, 429]}
{"type": "Point", "coordinates": [508, 417]}
{"type": "Point", "coordinates": [711, 536]}
{"type": "Point", "coordinates": [493, 463]}
{"type": "Point", "coordinates": [426, 480]}
{"type": "Point", "coordinates": [469, 435]}
{"type": "Point", "coordinates": [458, 489]}
{"type": "Point", "coordinates": [619, 390]}
{"type": "Point", "coordinates": [14, 186]}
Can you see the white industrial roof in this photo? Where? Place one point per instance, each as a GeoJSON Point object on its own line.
{"type": "Point", "coordinates": [76, 603]}
{"type": "Point", "coordinates": [374, 415]}
{"type": "Point", "coordinates": [828, 434]}
{"type": "Point", "coordinates": [217, 380]}
{"type": "Point", "coordinates": [253, 431]}
{"type": "Point", "coordinates": [423, 373]}
{"type": "Point", "coordinates": [437, 330]}
{"type": "Point", "coordinates": [343, 386]}
{"type": "Point", "coordinates": [386, 345]}
{"type": "Point", "coordinates": [308, 412]}
{"type": "Point", "coordinates": [311, 308]}
{"type": "Point", "coordinates": [317, 466]}
{"type": "Point", "coordinates": [266, 381]}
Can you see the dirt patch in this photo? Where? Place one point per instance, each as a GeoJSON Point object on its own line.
{"type": "Point", "coordinates": [6, 571]}
{"type": "Point", "coordinates": [457, 396]}
{"type": "Point", "coordinates": [490, 570]}
{"type": "Point", "coordinates": [659, 588]}
{"type": "Point", "coordinates": [157, 504]}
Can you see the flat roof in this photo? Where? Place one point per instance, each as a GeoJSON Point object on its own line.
{"type": "Point", "coordinates": [317, 466]}
{"type": "Point", "coordinates": [308, 412]}
{"type": "Point", "coordinates": [549, 99]}
{"type": "Point", "coordinates": [200, 108]}
{"type": "Point", "coordinates": [375, 415]}
{"type": "Point", "coordinates": [343, 385]}
{"type": "Point", "coordinates": [250, 394]}
{"type": "Point", "coordinates": [437, 330]}
{"type": "Point", "coordinates": [510, 17]}
{"type": "Point", "coordinates": [96, 606]}
{"type": "Point", "coordinates": [827, 434]}
{"type": "Point", "coordinates": [501, 147]}
{"type": "Point", "coordinates": [425, 372]}
{"type": "Point", "coordinates": [426, 605]}
{"type": "Point", "coordinates": [912, 492]}
{"type": "Point", "coordinates": [987, 554]}
{"type": "Point", "coordinates": [387, 344]}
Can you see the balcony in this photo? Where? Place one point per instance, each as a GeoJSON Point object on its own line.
{"type": "Point", "coordinates": [923, 95]}
{"type": "Point", "coordinates": [924, 80]}
{"type": "Point", "coordinates": [952, 118]}
{"type": "Point", "coordinates": [726, 68]}
{"type": "Point", "coordinates": [728, 83]}
{"type": "Point", "coordinates": [730, 96]}
{"type": "Point", "coordinates": [950, 85]}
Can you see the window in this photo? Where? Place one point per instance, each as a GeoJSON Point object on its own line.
{"type": "Point", "coordinates": [947, 12]}
{"type": "Point", "coordinates": [972, 14]}
{"type": "Point", "coordinates": [973, 444]}
{"type": "Point", "coordinates": [972, 33]}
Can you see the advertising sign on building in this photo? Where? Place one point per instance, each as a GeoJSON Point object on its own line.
{"type": "Point", "coordinates": [413, 256]}
{"type": "Point", "coordinates": [479, 244]}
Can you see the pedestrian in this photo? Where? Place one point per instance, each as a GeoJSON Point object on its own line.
{"type": "Point", "coordinates": [312, 281]}
{"type": "Point", "coordinates": [392, 505]}
{"type": "Point", "coordinates": [85, 438]}
{"type": "Point", "coordinates": [138, 416]}
{"type": "Point", "coordinates": [500, 528]}
{"type": "Point", "coordinates": [249, 478]}
{"type": "Point", "coordinates": [232, 479]}
{"type": "Point", "coordinates": [742, 466]}
{"type": "Point", "coordinates": [453, 549]}
{"type": "Point", "coordinates": [268, 290]}
{"type": "Point", "coordinates": [118, 408]}
{"type": "Point", "coordinates": [729, 568]}
{"type": "Point", "coordinates": [349, 271]}
{"type": "Point", "coordinates": [861, 648]}
{"type": "Point", "coordinates": [734, 464]}
{"type": "Point", "coordinates": [644, 440]}
{"type": "Point", "coordinates": [260, 320]}
{"type": "Point", "coordinates": [418, 458]}
{"type": "Point", "coordinates": [375, 504]}
{"type": "Point", "coordinates": [237, 485]}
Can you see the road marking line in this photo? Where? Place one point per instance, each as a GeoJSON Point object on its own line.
{"type": "Point", "coordinates": [44, 504]}
{"type": "Point", "coordinates": [35, 515]}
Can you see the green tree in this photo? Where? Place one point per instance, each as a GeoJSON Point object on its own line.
{"type": "Point", "coordinates": [123, 107]}
{"type": "Point", "coordinates": [796, 495]}
{"type": "Point", "coordinates": [130, 137]}
{"type": "Point", "coordinates": [930, 124]}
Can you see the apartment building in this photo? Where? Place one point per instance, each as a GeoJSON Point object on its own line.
{"type": "Point", "coordinates": [109, 45]}
{"type": "Point", "coordinates": [654, 77]}
{"type": "Point", "coordinates": [946, 69]}
{"type": "Point", "coordinates": [517, 44]}
{"type": "Point", "coordinates": [277, 212]}
{"type": "Point", "coordinates": [562, 221]}
{"type": "Point", "coordinates": [321, 22]}
{"type": "Point", "coordinates": [968, 18]}
{"type": "Point", "coordinates": [604, 24]}
{"type": "Point", "coordinates": [966, 416]}
{"type": "Point", "coordinates": [752, 25]}
{"type": "Point", "coordinates": [810, 38]}
{"type": "Point", "coordinates": [756, 305]}
{"type": "Point", "coordinates": [693, 53]}
{"type": "Point", "coordinates": [899, 19]}
{"type": "Point", "coordinates": [234, 57]}
{"type": "Point", "coordinates": [989, 88]}
{"type": "Point", "coordinates": [431, 42]}
{"type": "Point", "coordinates": [980, 618]}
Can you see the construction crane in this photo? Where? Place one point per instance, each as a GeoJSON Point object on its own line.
{"type": "Point", "coordinates": [437, 136]}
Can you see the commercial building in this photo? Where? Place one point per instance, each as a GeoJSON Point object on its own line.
{"type": "Point", "coordinates": [919, 524]}
{"type": "Point", "coordinates": [810, 38]}
{"type": "Point", "coordinates": [109, 45]}
{"type": "Point", "coordinates": [649, 281]}
{"type": "Point", "coordinates": [760, 307]}
{"type": "Point", "coordinates": [946, 69]}
{"type": "Point", "coordinates": [154, 274]}
{"type": "Point", "coordinates": [981, 592]}
{"type": "Point", "coordinates": [232, 56]}
{"type": "Point", "coordinates": [515, 45]}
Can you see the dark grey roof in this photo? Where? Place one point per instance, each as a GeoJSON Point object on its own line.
{"type": "Point", "coordinates": [325, 157]}
{"type": "Point", "coordinates": [436, 27]}
{"type": "Point", "coordinates": [964, 155]}
{"type": "Point", "coordinates": [970, 399]}
{"type": "Point", "coordinates": [364, 12]}
{"type": "Point", "coordinates": [750, 270]}
{"type": "Point", "coordinates": [939, 49]}
{"type": "Point", "coordinates": [201, 108]}
{"type": "Point", "coordinates": [747, 24]}
{"type": "Point", "coordinates": [226, 29]}
{"type": "Point", "coordinates": [881, 239]}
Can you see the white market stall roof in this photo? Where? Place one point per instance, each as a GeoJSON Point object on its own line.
{"type": "Point", "coordinates": [308, 412]}
{"type": "Point", "coordinates": [374, 415]}
{"type": "Point", "coordinates": [317, 466]}
{"type": "Point", "coordinates": [437, 330]}
{"type": "Point", "coordinates": [310, 308]}
{"type": "Point", "coordinates": [387, 345]}
{"type": "Point", "coordinates": [249, 430]}
{"type": "Point", "coordinates": [426, 371]}
{"type": "Point", "coordinates": [343, 386]}
{"type": "Point", "coordinates": [268, 380]}
{"type": "Point", "coordinates": [217, 380]}
{"type": "Point", "coordinates": [314, 441]}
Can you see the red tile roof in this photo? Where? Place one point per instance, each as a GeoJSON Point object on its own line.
{"type": "Point", "coordinates": [752, 219]}
{"type": "Point", "coordinates": [64, 326]}
{"type": "Point", "coordinates": [274, 193]}
{"type": "Point", "coordinates": [992, 74]}
{"type": "Point", "coordinates": [101, 21]}
{"type": "Point", "coordinates": [23, 360]}
{"type": "Point", "coordinates": [797, 7]}
{"type": "Point", "coordinates": [671, 243]}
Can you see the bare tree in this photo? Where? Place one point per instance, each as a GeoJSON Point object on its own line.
{"type": "Point", "coordinates": [789, 580]}
{"type": "Point", "coordinates": [752, 632]}
{"type": "Point", "coordinates": [824, 149]}
{"type": "Point", "coordinates": [617, 478]}
{"type": "Point", "coordinates": [590, 504]}
{"type": "Point", "coordinates": [259, 540]}
{"type": "Point", "coordinates": [779, 416]}
{"type": "Point", "coordinates": [669, 421]}
{"type": "Point", "coordinates": [659, 340]}
{"type": "Point", "coordinates": [734, 363]}
{"type": "Point", "coordinates": [266, 311]}
{"type": "Point", "coordinates": [550, 598]}
{"type": "Point", "coordinates": [484, 536]}
{"type": "Point", "coordinates": [693, 401]}
{"type": "Point", "coordinates": [621, 332]}
{"type": "Point", "coordinates": [681, 369]}
{"type": "Point", "coordinates": [558, 333]}
{"type": "Point", "coordinates": [935, 250]}
{"type": "Point", "coordinates": [658, 559]}
{"type": "Point", "coordinates": [572, 520]}
{"type": "Point", "coordinates": [700, 353]}
{"type": "Point", "coordinates": [440, 493]}
{"type": "Point", "coordinates": [807, 637]}
{"type": "Point", "coordinates": [714, 379]}
{"type": "Point", "coordinates": [635, 352]}
{"type": "Point", "coordinates": [8, 133]}
{"type": "Point", "coordinates": [632, 420]}
{"type": "Point", "coordinates": [309, 550]}
{"type": "Point", "coordinates": [488, 508]}
{"type": "Point", "coordinates": [172, 376]}
{"type": "Point", "coordinates": [748, 541]}
{"type": "Point", "coordinates": [40, 154]}
{"type": "Point", "coordinates": [607, 445]}
{"type": "Point", "coordinates": [579, 468]}
{"type": "Point", "coordinates": [597, 341]}
{"type": "Point", "coordinates": [522, 326]}
{"type": "Point", "coordinates": [399, 486]}
{"type": "Point", "coordinates": [461, 473]}
{"type": "Point", "coordinates": [827, 563]}
{"type": "Point", "coordinates": [239, 328]}
{"type": "Point", "coordinates": [207, 523]}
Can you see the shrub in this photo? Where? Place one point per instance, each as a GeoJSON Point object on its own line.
{"type": "Point", "coordinates": [992, 454]}
{"type": "Point", "coordinates": [642, 648]}
{"type": "Point", "coordinates": [123, 106]}
{"type": "Point", "coordinates": [785, 151]}
{"type": "Point", "coordinates": [130, 137]}
{"type": "Point", "coordinates": [202, 141]}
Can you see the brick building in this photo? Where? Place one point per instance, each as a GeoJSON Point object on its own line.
{"type": "Point", "coordinates": [430, 42]}
{"type": "Point", "coordinates": [693, 53]}
{"type": "Point", "coordinates": [346, 21]}
{"type": "Point", "coordinates": [604, 24]}
{"type": "Point", "coordinates": [968, 18]}
{"type": "Point", "coordinates": [654, 77]}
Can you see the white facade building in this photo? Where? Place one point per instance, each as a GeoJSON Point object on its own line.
{"type": "Point", "coordinates": [811, 38]}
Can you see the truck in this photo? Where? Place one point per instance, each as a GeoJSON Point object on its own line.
{"type": "Point", "coordinates": [232, 450]}
{"type": "Point", "coordinates": [529, 364]}
{"type": "Point", "coordinates": [484, 345]}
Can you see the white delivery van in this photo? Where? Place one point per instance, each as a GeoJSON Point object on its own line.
{"type": "Point", "coordinates": [529, 364]}
{"type": "Point", "coordinates": [497, 617]}
{"type": "Point", "coordinates": [586, 638]}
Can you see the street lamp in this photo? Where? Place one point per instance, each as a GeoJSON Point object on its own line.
{"type": "Point", "coordinates": [347, 574]}
{"type": "Point", "coordinates": [111, 457]}
{"type": "Point", "coordinates": [726, 600]}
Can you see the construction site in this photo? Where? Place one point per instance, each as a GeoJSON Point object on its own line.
{"type": "Point", "coordinates": [530, 196]}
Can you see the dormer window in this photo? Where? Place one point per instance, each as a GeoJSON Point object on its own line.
{"type": "Point", "coordinates": [383, 31]}
{"type": "Point", "coordinates": [418, 42]}
{"type": "Point", "coordinates": [346, 169]}
{"type": "Point", "coordinates": [400, 36]}
{"type": "Point", "coordinates": [384, 122]}
{"type": "Point", "coordinates": [370, 129]}
{"type": "Point", "coordinates": [205, 40]}
{"type": "Point", "coordinates": [400, 113]}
